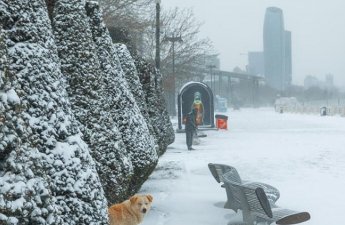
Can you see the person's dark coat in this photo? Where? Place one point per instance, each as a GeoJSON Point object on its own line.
{"type": "Point", "coordinates": [191, 121]}
{"type": "Point", "coordinates": [190, 128]}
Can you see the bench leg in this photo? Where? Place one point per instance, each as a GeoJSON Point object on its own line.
{"type": "Point", "coordinates": [230, 202]}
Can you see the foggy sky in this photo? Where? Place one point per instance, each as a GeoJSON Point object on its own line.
{"type": "Point", "coordinates": [235, 27]}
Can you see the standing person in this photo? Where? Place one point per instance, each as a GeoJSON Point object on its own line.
{"type": "Point", "coordinates": [190, 128]}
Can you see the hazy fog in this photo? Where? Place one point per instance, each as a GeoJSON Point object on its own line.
{"type": "Point", "coordinates": [235, 27]}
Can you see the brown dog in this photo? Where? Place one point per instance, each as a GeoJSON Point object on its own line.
{"type": "Point", "coordinates": [130, 212]}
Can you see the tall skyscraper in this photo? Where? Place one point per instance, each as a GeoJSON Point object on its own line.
{"type": "Point", "coordinates": [288, 59]}
{"type": "Point", "coordinates": [256, 63]}
{"type": "Point", "coordinates": [277, 50]}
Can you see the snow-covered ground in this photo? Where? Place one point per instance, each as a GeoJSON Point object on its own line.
{"type": "Point", "coordinates": [302, 155]}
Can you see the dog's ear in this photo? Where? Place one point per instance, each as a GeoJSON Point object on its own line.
{"type": "Point", "coordinates": [133, 199]}
{"type": "Point", "coordinates": [149, 197]}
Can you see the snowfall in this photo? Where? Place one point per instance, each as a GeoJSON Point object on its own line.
{"type": "Point", "coordinates": [302, 155]}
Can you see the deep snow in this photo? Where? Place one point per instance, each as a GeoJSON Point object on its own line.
{"type": "Point", "coordinates": [302, 155]}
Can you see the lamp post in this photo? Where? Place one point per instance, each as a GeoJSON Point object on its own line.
{"type": "Point", "coordinates": [158, 10]}
{"type": "Point", "coordinates": [172, 100]}
{"type": "Point", "coordinates": [211, 67]}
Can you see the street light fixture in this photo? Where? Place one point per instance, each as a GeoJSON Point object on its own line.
{"type": "Point", "coordinates": [158, 9]}
{"type": "Point", "coordinates": [172, 100]}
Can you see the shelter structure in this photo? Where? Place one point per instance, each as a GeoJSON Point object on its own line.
{"type": "Point", "coordinates": [196, 95]}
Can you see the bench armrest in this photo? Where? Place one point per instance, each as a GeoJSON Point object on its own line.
{"type": "Point", "coordinates": [261, 195]}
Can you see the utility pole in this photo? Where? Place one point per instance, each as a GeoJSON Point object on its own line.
{"type": "Point", "coordinates": [172, 101]}
{"type": "Point", "coordinates": [158, 9]}
{"type": "Point", "coordinates": [211, 67]}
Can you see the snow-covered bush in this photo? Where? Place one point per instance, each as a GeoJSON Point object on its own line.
{"type": "Point", "coordinates": [101, 98]}
{"type": "Point", "coordinates": [76, 129]}
{"type": "Point", "coordinates": [47, 175]}
{"type": "Point", "coordinates": [132, 78]}
{"type": "Point", "coordinates": [151, 81]}
{"type": "Point", "coordinates": [3, 56]}
{"type": "Point", "coordinates": [91, 102]}
{"type": "Point", "coordinates": [139, 143]}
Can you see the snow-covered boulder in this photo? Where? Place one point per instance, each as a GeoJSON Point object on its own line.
{"type": "Point", "coordinates": [151, 81]}
{"type": "Point", "coordinates": [47, 175]}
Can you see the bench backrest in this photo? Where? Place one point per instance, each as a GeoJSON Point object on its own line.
{"type": "Point", "coordinates": [253, 200]}
{"type": "Point", "coordinates": [218, 170]}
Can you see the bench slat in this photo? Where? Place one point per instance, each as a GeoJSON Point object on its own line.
{"type": "Point", "coordinates": [272, 193]}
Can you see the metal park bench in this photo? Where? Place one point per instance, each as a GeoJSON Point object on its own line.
{"type": "Point", "coordinates": [217, 170]}
{"type": "Point", "coordinates": [256, 207]}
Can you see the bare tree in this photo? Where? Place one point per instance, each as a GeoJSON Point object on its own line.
{"type": "Point", "coordinates": [127, 20]}
{"type": "Point", "coordinates": [126, 13]}
{"type": "Point", "coordinates": [137, 17]}
{"type": "Point", "coordinates": [189, 54]}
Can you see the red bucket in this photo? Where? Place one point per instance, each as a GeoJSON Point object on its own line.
{"type": "Point", "coordinates": [221, 122]}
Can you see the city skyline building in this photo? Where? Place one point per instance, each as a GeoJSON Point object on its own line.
{"type": "Point", "coordinates": [256, 63]}
{"type": "Point", "coordinates": [288, 59]}
{"type": "Point", "coordinates": [312, 81]}
{"type": "Point", "coordinates": [277, 50]}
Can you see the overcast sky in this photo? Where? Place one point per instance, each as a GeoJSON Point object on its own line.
{"type": "Point", "coordinates": [235, 27]}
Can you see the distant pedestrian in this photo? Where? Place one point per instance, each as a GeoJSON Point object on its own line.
{"type": "Point", "coordinates": [190, 128]}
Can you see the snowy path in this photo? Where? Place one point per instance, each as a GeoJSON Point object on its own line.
{"type": "Point", "coordinates": [302, 155]}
